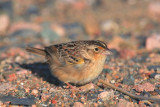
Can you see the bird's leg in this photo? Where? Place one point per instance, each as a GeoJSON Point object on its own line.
{"type": "Point", "coordinates": [73, 88]}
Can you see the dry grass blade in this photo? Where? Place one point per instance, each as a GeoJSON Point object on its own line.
{"type": "Point", "coordinates": [129, 94]}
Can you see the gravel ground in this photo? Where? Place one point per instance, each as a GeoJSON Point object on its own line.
{"type": "Point", "coordinates": [130, 27]}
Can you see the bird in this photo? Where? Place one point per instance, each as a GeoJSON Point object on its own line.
{"type": "Point", "coordinates": [77, 62]}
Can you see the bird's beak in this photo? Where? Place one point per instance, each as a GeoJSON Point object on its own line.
{"type": "Point", "coordinates": [107, 52]}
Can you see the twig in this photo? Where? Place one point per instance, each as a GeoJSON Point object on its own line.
{"type": "Point", "coordinates": [129, 94]}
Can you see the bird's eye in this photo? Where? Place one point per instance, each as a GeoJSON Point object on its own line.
{"type": "Point", "coordinates": [96, 49]}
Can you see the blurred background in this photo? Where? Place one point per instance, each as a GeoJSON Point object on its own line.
{"type": "Point", "coordinates": [129, 24]}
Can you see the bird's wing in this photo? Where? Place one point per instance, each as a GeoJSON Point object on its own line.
{"type": "Point", "coordinates": [64, 56]}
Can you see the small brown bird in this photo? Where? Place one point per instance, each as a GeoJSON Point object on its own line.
{"type": "Point", "coordinates": [77, 62]}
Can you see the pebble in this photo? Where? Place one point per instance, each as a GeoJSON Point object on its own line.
{"type": "Point", "coordinates": [107, 70]}
{"type": "Point", "coordinates": [124, 103]}
{"type": "Point", "coordinates": [121, 96]}
{"type": "Point", "coordinates": [10, 77]}
{"type": "Point", "coordinates": [158, 91]}
{"type": "Point", "coordinates": [24, 25]}
{"type": "Point", "coordinates": [153, 42]}
{"type": "Point", "coordinates": [1, 103]}
{"type": "Point", "coordinates": [44, 97]}
{"type": "Point", "coordinates": [51, 90]}
{"type": "Point", "coordinates": [129, 80]}
{"type": "Point", "coordinates": [145, 94]}
{"type": "Point", "coordinates": [53, 101]}
{"type": "Point", "coordinates": [5, 21]}
{"type": "Point", "coordinates": [58, 29]}
{"type": "Point", "coordinates": [48, 34]}
{"type": "Point", "coordinates": [109, 26]}
{"type": "Point", "coordinates": [145, 87]}
{"type": "Point", "coordinates": [22, 72]}
{"type": "Point", "coordinates": [6, 86]}
{"type": "Point", "coordinates": [87, 87]}
{"type": "Point", "coordinates": [157, 76]}
{"type": "Point", "coordinates": [34, 92]}
{"type": "Point", "coordinates": [32, 10]}
{"type": "Point", "coordinates": [78, 104]}
{"type": "Point", "coordinates": [106, 95]}
{"type": "Point", "coordinates": [91, 96]}
{"type": "Point", "coordinates": [113, 81]}
{"type": "Point", "coordinates": [154, 9]}
{"type": "Point", "coordinates": [13, 52]}
{"type": "Point", "coordinates": [127, 53]}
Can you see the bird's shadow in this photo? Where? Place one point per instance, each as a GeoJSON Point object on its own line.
{"type": "Point", "coordinates": [41, 69]}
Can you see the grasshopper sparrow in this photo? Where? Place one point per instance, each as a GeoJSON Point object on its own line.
{"type": "Point", "coordinates": [77, 62]}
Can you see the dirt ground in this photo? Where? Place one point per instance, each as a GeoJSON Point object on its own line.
{"type": "Point", "coordinates": [130, 28]}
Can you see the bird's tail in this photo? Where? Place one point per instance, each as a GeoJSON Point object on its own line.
{"type": "Point", "coordinates": [36, 51]}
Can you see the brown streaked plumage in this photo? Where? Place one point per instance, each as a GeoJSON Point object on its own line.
{"type": "Point", "coordinates": [77, 62]}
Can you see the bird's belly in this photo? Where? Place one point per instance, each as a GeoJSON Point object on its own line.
{"type": "Point", "coordinates": [89, 74]}
{"type": "Point", "coordinates": [81, 76]}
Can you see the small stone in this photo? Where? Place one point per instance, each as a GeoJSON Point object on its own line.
{"type": "Point", "coordinates": [22, 72]}
{"type": "Point", "coordinates": [13, 52]}
{"type": "Point", "coordinates": [127, 53]}
{"type": "Point", "coordinates": [155, 58]}
{"type": "Point", "coordinates": [91, 96]}
{"type": "Point", "coordinates": [58, 29]}
{"type": "Point", "coordinates": [154, 9]}
{"type": "Point", "coordinates": [87, 87]}
{"type": "Point", "coordinates": [53, 101]}
{"type": "Point", "coordinates": [107, 70]}
{"type": "Point", "coordinates": [106, 95]}
{"type": "Point", "coordinates": [95, 105]}
{"type": "Point", "coordinates": [51, 90]}
{"type": "Point", "coordinates": [32, 10]}
{"type": "Point", "coordinates": [6, 86]}
{"type": "Point", "coordinates": [122, 44]}
{"type": "Point", "coordinates": [34, 92]}
{"type": "Point", "coordinates": [145, 94]}
{"type": "Point", "coordinates": [83, 99]}
{"type": "Point", "coordinates": [78, 104]}
{"type": "Point", "coordinates": [157, 76]}
{"type": "Point", "coordinates": [112, 81]}
{"type": "Point", "coordinates": [27, 90]}
{"type": "Point", "coordinates": [145, 87]}
{"type": "Point", "coordinates": [124, 103]}
{"type": "Point", "coordinates": [129, 80]}
{"type": "Point", "coordinates": [109, 26]}
{"type": "Point", "coordinates": [115, 42]}
{"type": "Point", "coordinates": [24, 25]}
{"type": "Point", "coordinates": [34, 106]}
{"type": "Point", "coordinates": [1, 104]}
{"type": "Point", "coordinates": [44, 97]}
{"type": "Point", "coordinates": [5, 21]}
{"type": "Point", "coordinates": [44, 90]}
{"type": "Point", "coordinates": [11, 77]}
{"type": "Point", "coordinates": [153, 42]}
{"type": "Point", "coordinates": [141, 104]}
{"type": "Point", "coordinates": [158, 91]}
